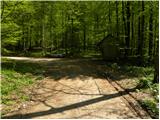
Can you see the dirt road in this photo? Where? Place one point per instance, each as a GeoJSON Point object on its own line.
{"type": "Point", "coordinates": [75, 89]}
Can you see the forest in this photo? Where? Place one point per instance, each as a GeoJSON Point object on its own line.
{"type": "Point", "coordinates": [73, 27]}
{"type": "Point", "coordinates": [72, 30]}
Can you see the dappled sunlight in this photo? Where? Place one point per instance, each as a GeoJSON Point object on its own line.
{"type": "Point", "coordinates": [83, 60]}
{"type": "Point", "coordinates": [57, 104]}
{"type": "Point", "coordinates": [74, 88]}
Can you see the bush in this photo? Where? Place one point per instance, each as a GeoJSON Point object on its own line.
{"type": "Point", "coordinates": [152, 107]}
{"type": "Point", "coordinates": [17, 75]}
{"type": "Point", "coordinates": [155, 89]}
{"type": "Point", "coordinates": [145, 82]}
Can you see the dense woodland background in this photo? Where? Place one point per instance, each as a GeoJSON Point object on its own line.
{"type": "Point", "coordinates": [73, 27]}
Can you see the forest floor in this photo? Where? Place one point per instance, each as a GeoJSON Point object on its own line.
{"type": "Point", "coordinates": [79, 88]}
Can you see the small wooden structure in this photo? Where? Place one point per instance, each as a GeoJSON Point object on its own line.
{"type": "Point", "coordinates": [109, 47]}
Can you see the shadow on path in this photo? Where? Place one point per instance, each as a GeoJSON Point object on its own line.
{"type": "Point", "coordinates": [68, 107]}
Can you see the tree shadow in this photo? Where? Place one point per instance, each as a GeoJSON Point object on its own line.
{"type": "Point", "coordinates": [68, 107]}
{"type": "Point", "coordinates": [55, 69]}
{"type": "Point", "coordinates": [22, 67]}
{"type": "Point", "coordinates": [67, 69]}
{"type": "Point", "coordinates": [59, 68]}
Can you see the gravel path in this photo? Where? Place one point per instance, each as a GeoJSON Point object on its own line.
{"type": "Point", "coordinates": [74, 89]}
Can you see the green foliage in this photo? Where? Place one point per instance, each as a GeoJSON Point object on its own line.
{"type": "Point", "coordinates": [152, 107]}
{"type": "Point", "coordinates": [90, 54]}
{"type": "Point", "coordinates": [13, 80]}
{"type": "Point", "coordinates": [114, 66]}
{"type": "Point", "coordinates": [16, 75]}
{"type": "Point", "coordinates": [155, 90]}
{"type": "Point", "coordinates": [73, 26]}
{"type": "Point", "coordinates": [10, 33]}
{"type": "Point", "coordinates": [22, 66]}
{"type": "Point", "coordinates": [145, 82]}
{"type": "Point", "coordinates": [137, 71]}
{"type": "Point", "coordinates": [4, 51]}
{"type": "Point", "coordinates": [145, 76]}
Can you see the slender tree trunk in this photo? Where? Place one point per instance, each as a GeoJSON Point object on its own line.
{"type": "Point", "coordinates": [125, 28]}
{"type": "Point", "coordinates": [84, 37]}
{"type": "Point", "coordinates": [30, 41]}
{"type": "Point", "coordinates": [43, 42]}
{"type": "Point", "coordinates": [128, 27]}
{"type": "Point", "coordinates": [123, 17]}
{"type": "Point", "coordinates": [50, 29]}
{"type": "Point", "coordinates": [155, 37]}
{"type": "Point", "coordinates": [43, 27]}
{"type": "Point", "coordinates": [109, 18]}
{"type": "Point", "coordinates": [23, 36]}
{"type": "Point", "coordinates": [72, 43]}
{"type": "Point", "coordinates": [117, 22]}
{"type": "Point", "coordinates": [139, 34]}
{"type": "Point", "coordinates": [142, 30]}
{"type": "Point", "coordinates": [66, 45]}
{"type": "Point", "coordinates": [132, 27]}
{"type": "Point", "coordinates": [65, 35]}
{"type": "Point", "coordinates": [28, 36]}
{"type": "Point", "coordinates": [150, 32]}
{"type": "Point", "coordinates": [156, 65]}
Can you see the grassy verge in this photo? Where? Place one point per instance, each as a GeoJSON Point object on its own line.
{"type": "Point", "coordinates": [152, 107]}
{"type": "Point", "coordinates": [151, 104]}
{"type": "Point", "coordinates": [17, 75]}
{"type": "Point", "coordinates": [145, 76]}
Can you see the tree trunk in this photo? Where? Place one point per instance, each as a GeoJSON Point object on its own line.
{"type": "Point", "coordinates": [50, 29]}
{"type": "Point", "coordinates": [30, 41]}
{"type": "Point", "coordinates": [43, 42]}
{"type": "Point", "coordinates": [117, 22]}
{"type": "Point", "coordinates": [155, 37]}
{"type": "Point", "coordinates": [132, 27]}
{"type": "Point", "coordinates": [23, 36]}
{"type": "Point", "coordinates": [156, 65]}
{"type": "Point", "coordinates": [142, 34]}
{"type": "Point", "coordinates": [72, 42]}
{"type": "Point", "coordinates": [43, 27]}
{"type": "Point", "coordinates": [128, 27]}
{"type": "Point", "coordinates": [124, 21]}
{"type": "Point", "coordinates": [139, 34]}
{"type": "Point", "coordinates": [150, 32]}
{"type": "Point", "coordinates": [125, 27]}
{"type": "Point", "coordinates": [84, 38]}
{"type": "Point", "coordinates": [109, 18]}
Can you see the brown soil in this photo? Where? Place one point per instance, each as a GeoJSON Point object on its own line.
{"type": "Point", "coordinates": [76, 89]}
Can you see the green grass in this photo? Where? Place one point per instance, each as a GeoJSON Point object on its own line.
{"type": "Point", "coordinates": [17, 75]}
{"type": "Point", "coordinates": [133, 71]}
{"type": "Point", "coordinates": [152, 107]}
{"type": "Point", "coordinates": [13, 81]}
{"type": "Point", "coordinates": [145, 76]}
{"type": "Point", "coordinates": [90, 54]}
{"type": "Point", "coordinates": [22, 66]}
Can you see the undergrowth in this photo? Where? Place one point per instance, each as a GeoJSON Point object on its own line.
{"type": "Point", "coordinates": [145, 76]}
{"type": "Point", "coordinates": [17, 75]}
{"type": "Point", "coordinates": [152, 107]}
